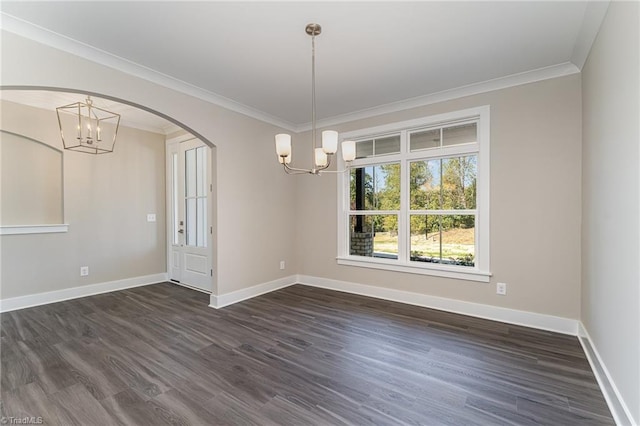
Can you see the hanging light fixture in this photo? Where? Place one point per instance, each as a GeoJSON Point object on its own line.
{"type": "Point", "coordinates": [321, 156]}
{"type": "Point", "coordinates": [87, 128]}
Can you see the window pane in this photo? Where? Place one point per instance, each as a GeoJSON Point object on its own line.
{"type": "Point", "coordinates": [364, 149]}
{"type": "Point", "coordinates": [375, 187]}
{"type": "Point", "coordinates": [455, 135]}
{"type": "Point", "coordinates": [459, 182]}
{"type": "Point", "coordinates": [174, 197]}
{"type": "Point", "coordinates": [424, 140]}
{"type": "Point", "coordinates": [202, 222]}
{"type": "Point", "coordinates": [390, 145]}
{"type": "Point", "coordinates": [446, 239]}
{"type": "Point", "coordinates": [201, 171]}
{"type": "Point", "coordinates": [190, 172]}
{"type": "Point", "coordinates": [458, 239]}
{"type": "Point", "coordinates": [191, 225]}
{"type": "Point", "coordinates": [424, 185]}
{"type": "Point", "coordinates": [374, 236]}
{"type": "Point", "coordinates": [425, 238]}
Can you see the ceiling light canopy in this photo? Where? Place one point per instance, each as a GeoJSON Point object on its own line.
{"type": "Point", "coordinates": [321, 155]}
{"type": "Point", "coordinates": [87, 128]}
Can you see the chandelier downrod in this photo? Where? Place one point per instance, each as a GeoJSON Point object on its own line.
{"type": "Point", "coordinates": [320, 156]}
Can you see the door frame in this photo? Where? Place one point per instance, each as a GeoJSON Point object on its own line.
{"type": "Point", "coordinates": [211, 216]}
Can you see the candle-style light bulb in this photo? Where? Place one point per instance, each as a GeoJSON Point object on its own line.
{"type": "Point", "coordinates": [348, 151]}
{"type": "Point", "coordinates": [320, 157]}
{"type": "Point", "coordinates": [283, 144]}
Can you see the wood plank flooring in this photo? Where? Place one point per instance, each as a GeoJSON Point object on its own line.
{"type": "Point", "coordinates": [299, 356]}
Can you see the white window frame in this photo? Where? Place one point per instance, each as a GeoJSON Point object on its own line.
{"type": "Point", "coordinates": [481, 270]}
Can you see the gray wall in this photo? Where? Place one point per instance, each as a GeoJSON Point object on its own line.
{"type": "Point", "coordinates": [535, 204]}
{"type": "Point", "coordinates": [106, 201]}
{"type": "Point", "coordinates": [31, 185]}
{"type": "Point", "coordinates": [255, 199]}
{"type": "Point", "coordinates": [611, 199]}
{"type": "Point", "coordinates": [538, 173]}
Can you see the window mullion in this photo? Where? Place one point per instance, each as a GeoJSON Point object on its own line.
{"type": "Point", "coordinates": [452, 236]}
{"type": "Point", "coordinates": [403, 216]}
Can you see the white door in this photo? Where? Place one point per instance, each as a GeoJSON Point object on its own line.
{"type": "Point", "coordinates": [189, 171]}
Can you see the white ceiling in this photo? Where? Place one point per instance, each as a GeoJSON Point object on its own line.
{"type": "Point", "coordinates": [255, 57]}
{"type": "Point", "coordinates": [129, 116]}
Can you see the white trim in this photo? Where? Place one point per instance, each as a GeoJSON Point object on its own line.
{"type": "Point", "coordinates": [227, 299]}
{"type": "Point", "coordinates": [594, 14]}
{"type": "Point", "coordinates": [38, 299]}
{"type": "Point", "coordinates": [481, 270]}
{"type": "Point", "coordinates": [428, 121]}
{"type": "Point", "coordinates": [58, 41]}
{"type": "Point", "coordinates": [33, 229]}
{"type": "Point", "coordinates": [49, 38]}
{"type": "Point", "coordinates": [201, 290]}
{"type": "Point", "coordinates": [416, 268]}
{"type": "Point", "coordinates": [179, 139]}
{"type": "Point", "coordinates": [540, 74]}
{"type": "Point", "coordinates": [495, 313]}
{"type": "Point", "coordinates": [619, 410]}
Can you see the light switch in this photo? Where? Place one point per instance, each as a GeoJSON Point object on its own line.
{"type": "Point", "coordinates": [151, 217]}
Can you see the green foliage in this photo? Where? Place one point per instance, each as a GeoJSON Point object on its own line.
{"type": "Point", "coordinates": [438, 184]}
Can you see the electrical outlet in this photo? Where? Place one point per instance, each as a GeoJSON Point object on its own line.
{"type": "Point", "coordinates": [282, 264]}
{"type": "Point", "coordinates": [501, 289]}
{"type": "Point", "coordinates": [84, 271]}
{"type": "Point", "coordinates": [151, 217]}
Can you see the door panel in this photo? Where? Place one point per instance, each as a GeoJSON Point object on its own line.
{"type": "Point", "coordinates": [190, 164]}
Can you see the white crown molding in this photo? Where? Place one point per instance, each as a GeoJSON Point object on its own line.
{"type": "Point", "coordinates": [619, 410]}
{"type": "Point", "coordinates": [164, 130]}
{"type": "Point", "coordinates": [49, 38]}
{"type": "Point", "coordinates": [554, 71]}
{"type": "Point", "coordinates": [593, 16]}
{"type": "Point", "coordinates": [41, 35]}
{"type": "Point", "coordinates": [14, 303]}
{"type": "Point", "coordinates": [172, 128]}
{"type": "Point", "coordinates": [143, 127]}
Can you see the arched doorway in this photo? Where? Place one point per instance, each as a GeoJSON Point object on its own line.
{"type": "Point", "coordinates": [125, 244]}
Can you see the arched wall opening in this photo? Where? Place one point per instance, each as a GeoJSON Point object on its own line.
{"type": "Point", "coordinates": [257, 204]}
{"type": "Point", "coordinates": [91, 199]}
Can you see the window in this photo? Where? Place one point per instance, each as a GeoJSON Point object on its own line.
{"type": "Point", "coordinates": [196, 197]}
{"type": "Point", "coordinates": [416, 198]}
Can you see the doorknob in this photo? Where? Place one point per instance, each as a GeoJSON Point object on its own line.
{"type": "Point", "coordinates": [181, 231]}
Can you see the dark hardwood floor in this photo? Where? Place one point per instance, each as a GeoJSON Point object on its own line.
{"type": "Point", "coordinates": [159, 355]}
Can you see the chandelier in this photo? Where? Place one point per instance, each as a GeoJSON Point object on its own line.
{"type": "Point", "coordinates": [87, 128]}
{"type": "Point", "coordinates": [321, 156]}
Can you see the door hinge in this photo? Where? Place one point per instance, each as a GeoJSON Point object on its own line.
{"type": "Point", "coordinates": [210, 187]}
{"type": "Point", "coordinates": [212, 272]}
{"type": "Point", "coordinates": [211, 230]}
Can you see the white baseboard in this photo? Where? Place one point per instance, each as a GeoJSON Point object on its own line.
{"type": "Point", "coordinates": [511, 316]}
{"type": "Point", "coordinates": [619, 410]}
{"type": "Point", "coordinates": [14, 303]}
{"type": "Point", "coordinates": [227, 299]}
{"type": "Point", "coordinates": [616, 404]}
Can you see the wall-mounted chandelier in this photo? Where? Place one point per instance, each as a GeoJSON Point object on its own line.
{"type": "Point", "coordinates": [321, 155]}
{"type": "Point", "coordinates": [87, 128]}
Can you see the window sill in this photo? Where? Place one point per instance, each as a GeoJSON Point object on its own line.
{"type": "Point", "coordinates": [33, 229]}
{"type": "Point", "coordinates": [394, 266]}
